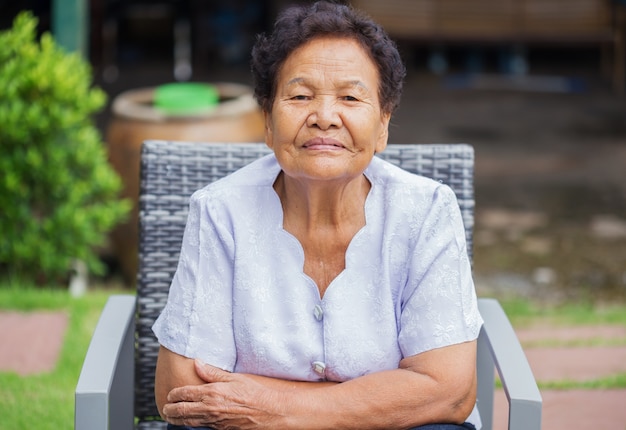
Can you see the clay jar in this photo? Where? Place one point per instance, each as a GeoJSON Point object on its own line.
{"type": "Point", "coordinates": [235, 118]}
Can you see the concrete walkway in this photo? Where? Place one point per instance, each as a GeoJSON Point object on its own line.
{"type": "Point", "coordinates": [31, 342]}
{"type": "Point", "coordinates": [574, 410]}
{"type": "Point", "coordinates": [574, 354]}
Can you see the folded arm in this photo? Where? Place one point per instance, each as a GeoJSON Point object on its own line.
{"type": "Point", "coordinates": [434, 386]}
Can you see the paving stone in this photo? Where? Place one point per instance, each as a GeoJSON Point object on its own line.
{"type": "Point", "coordinates": [576, 364]}
{"type": "Point", "coordinates": [31, 342]}
{"type": "Point", "coordinates": [573, 410]}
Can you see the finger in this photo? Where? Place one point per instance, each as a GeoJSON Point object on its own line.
{"type": "Point", "coordinates": [210, 373]}
{"type": "Point", "coordinates": [189, 423]}
{"type": "Point", "coordinates": [188, 393]}
{"type": "Point", "coordinates": [184, 410]}
{"type": "Point", "coordinates": [186, 414]}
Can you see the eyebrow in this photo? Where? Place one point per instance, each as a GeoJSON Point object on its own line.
{"type": "Point", "coordinates": [352, 83]}
{"type": "Point", "coordinates": [295, 81]}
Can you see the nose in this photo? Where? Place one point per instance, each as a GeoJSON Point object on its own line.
{"type": "Point", "coordinates": [324, 114]}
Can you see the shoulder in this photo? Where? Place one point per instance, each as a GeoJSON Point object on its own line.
{"type": "Point", "coordinates": [393, 178]}
{"type": "Point", "coordinates": [260, 173]}
{"type": "Point", "coordinates": [406, 197]}
{"type": "Point", "coordinates": [230, 199]}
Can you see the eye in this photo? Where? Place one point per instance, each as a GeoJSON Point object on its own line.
{"type": "Point", "coordinates": [300, 97]}
{"type": "Point", "coordinates": [350, 98]}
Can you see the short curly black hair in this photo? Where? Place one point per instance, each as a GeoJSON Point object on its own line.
{"type": "Point", "coordinates": [297, 25]}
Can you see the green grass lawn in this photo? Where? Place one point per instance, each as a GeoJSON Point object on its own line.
{"type": "Point", "coordinates": [47, 400]}
{"type": "Point", "coordinates": [524, 313]}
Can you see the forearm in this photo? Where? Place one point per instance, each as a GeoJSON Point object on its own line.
{"type": "Point", "coordinates": [172, 371]}
{"type": "Point", "coordinates": [289, 385]}
{"type": "Point", "coordinates": [175, 371]}
{"type": "Point", "coordinates": [395, 399]}
{"type": "Point", "coordinates": [438, 386]}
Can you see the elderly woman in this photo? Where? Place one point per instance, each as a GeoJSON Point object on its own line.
{"type": "Point", "coordinates": [321, 287]}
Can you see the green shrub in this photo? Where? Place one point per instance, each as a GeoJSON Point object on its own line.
{"type": "Point", "coordinates": [58, 193]}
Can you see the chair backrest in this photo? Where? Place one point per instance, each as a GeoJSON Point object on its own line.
{"type": "Point", "coordinates": [172, 171]}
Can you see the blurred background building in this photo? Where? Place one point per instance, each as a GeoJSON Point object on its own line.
{"type": "Point", "coordinates": [471, 36]}
{"type": "Point", "coordinates": [536, 86]}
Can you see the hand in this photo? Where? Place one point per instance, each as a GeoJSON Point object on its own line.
{"type": "Point", "coordinates": [226, 401]}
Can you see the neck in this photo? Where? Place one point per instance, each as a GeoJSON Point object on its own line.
{"type": "Point", "coordinates": [315, 205]}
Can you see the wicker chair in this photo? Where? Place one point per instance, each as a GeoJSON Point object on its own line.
{"type": "Point", "coordinates": [116, 386]}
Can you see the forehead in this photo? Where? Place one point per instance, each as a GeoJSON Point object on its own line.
{"type": "Point", "coordinates": [329, 54]}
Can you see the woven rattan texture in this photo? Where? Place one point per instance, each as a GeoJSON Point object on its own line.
{"type": "Point", "coordinates": [172, 171]}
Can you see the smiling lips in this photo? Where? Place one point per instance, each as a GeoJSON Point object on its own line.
{"type": "Point", "coordinates": [320, 143]}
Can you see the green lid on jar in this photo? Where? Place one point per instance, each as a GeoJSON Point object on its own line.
{"type": "Point", "coordinates": [183, 98]}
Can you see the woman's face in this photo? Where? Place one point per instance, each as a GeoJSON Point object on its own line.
{"type": "Point", "coordinates": [326, 122]}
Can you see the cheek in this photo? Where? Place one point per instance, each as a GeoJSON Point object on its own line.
{"type": "Point", "coordinates": [366, 125]}
{"type": "Point", "coordinates": [287, 122]}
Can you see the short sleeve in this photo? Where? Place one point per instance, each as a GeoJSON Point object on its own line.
{"type": "Point", "coordinates": [438, 304]}
{"type": "Point", "coordinates": [197, 319]}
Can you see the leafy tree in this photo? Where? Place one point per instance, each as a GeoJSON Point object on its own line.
{"type": "Point", "coordinates": [58, 193]}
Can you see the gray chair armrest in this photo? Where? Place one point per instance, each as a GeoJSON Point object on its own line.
{"type": "Point", "coordinates": [104, 393]}
{"type": "Point", "coordinates": [498, 339]}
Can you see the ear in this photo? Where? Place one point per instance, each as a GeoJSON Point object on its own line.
{"type": "Point", "coordinates": [269, 135]}
{"type": "Point", "coordinates": [381, 143]}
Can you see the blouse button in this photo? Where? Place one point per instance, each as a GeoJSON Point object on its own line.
{"type": "Point", "coordinates": [319, 367]}
{"type": "Point", "coordinates": [318, 312]}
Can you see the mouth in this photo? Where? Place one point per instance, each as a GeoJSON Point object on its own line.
{"type": "Point", "coordinates": [320, 143]}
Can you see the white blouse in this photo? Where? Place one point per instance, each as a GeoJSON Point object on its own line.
{"type": "Point", "coordinates": [240, 300]}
